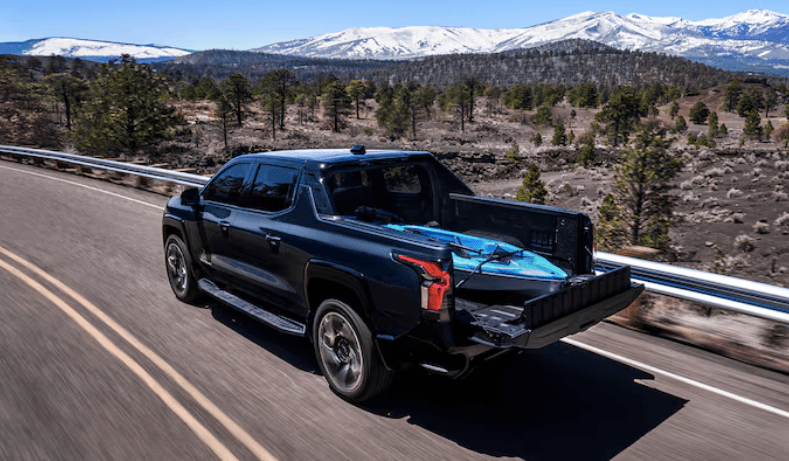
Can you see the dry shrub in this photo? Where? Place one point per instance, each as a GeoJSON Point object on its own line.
{"type": "Point", "coordinates": [761, 227]}
{"type": "Point", "coordinates": [734, 193]}
{"type": "Point", "coordinates": [737, 218]}
{"type": "Point", "coordinates": [782, 220]}
{"type": "Point", "coordinates": [744, 243]}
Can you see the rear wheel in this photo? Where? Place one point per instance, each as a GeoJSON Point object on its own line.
{"type": "Point", "coordinates": [179, 269]}
{"type": "Point", "coordinates": [346, 353]}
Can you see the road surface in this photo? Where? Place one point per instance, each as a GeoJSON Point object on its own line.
{"type": "Point", "coordinates": [98, 360]}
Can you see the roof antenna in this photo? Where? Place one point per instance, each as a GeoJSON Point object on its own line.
{"type": "Point", "coordinates": [358, 149]}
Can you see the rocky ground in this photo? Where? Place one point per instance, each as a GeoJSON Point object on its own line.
{"type": "Point", "coordinates": [733, 207]}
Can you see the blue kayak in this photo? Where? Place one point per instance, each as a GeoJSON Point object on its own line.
{"type": "Point", "coordinates": [496, 265]}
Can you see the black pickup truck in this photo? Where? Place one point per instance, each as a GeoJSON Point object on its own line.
{"type": "Point", "coordinates": [385, 260]}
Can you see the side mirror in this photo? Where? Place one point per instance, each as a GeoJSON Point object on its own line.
{"type": "Point", "coordinates": [190, 197]}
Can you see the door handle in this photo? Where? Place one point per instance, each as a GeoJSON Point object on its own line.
{"type": "Point", "coordinates": [273, 239]}
{"type": "Point", "coordinates": [225, 226]}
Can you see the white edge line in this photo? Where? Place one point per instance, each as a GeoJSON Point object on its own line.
{"type": "Point", "coordinates": [667, 374]}
{"type": "Point", "coordinates": [85, 186]}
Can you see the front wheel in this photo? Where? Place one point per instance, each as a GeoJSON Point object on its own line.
{"type": "Point", "coordinates": [346, 353]}
{"type": "Point", "coordinates": [179, 270]}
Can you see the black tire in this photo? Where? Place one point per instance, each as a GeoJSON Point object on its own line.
{"type": "Point", "coordinates": [346, 353]}
{"type": "Point", "coordinates": [178, 264]}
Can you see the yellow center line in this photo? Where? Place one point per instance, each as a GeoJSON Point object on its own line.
{"type": "Point", "coordinates": [239, 433]}
{"type": "Point", "coordinates": [212, 442]}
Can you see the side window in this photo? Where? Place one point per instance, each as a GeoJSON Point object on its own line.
{"type": "Point", "coordinates": [226, 188]}
{"type": "Point", "coordinates": [273, 188]}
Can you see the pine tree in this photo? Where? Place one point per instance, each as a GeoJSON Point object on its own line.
{"type": "Point", "coordinates": [279, 86]}
{"type": "Point", "coordinates": [621, 114]}
{"type": "Point", "coordinates": [642, 203]}
{"type": "Point", "coordinates": [533, 189]}
{"type": "Point", "coordinates": [752, 128]}
{"type": "Point", "coordinates": [559, 135]}
{"type": "Point", "coordinates": [674, 110]}
{"type": "Point", "coordinates": [713, 124]}
{"type": "Point", "coordinates": [238, 92]}
{"type": "Point", "coordinates": [770, 101]}
{"type": "Point", "coordinates": [587, 154]}
{"type": "Point", "coordinates": [224, 114]}
{"type": "Point", "coordinates": [768, 130]}
{"type": "Point", "coordinates": [699, 113]}
{"type": "Point", "coordinates": [680, 125]}
{"type": "Point", "coordinates": [542, 117]}
{"type": "Point", "coordinates": [68, 89]}
{"type": "Point", "coordinates": [537, 139]}
{"type": "Point", "coordinates": [731, 96]}
{"type": "Point", "coordinates": [356, 90]}
{"type": "Point", "coordinates": [336, 104]}
{"type": "Point", "coordinates": [723, 130]}
{"type": "Point", "coordinates": [124, 110]}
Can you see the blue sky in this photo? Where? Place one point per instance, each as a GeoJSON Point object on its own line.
{"type": "Point", "coordinates": [240, 25]}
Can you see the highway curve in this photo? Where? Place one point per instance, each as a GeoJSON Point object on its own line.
{"type": "Point", "coordinates": [98, 360]}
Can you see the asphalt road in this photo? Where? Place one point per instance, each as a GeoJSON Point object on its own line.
{"type": "Point", "coordinates": [122, 370]}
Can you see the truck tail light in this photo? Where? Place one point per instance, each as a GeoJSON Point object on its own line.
{"type": "Point", "coordinates": [435, 282]}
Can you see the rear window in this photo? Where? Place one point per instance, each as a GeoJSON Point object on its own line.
{"type": "Point", "coordinates": [404, 190]}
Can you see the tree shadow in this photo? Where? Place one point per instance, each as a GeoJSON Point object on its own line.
{"type": "Point", "coordinates": [559, 403]}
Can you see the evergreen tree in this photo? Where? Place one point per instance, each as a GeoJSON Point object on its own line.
{"type": "Point", "coordinates": [270, 103]}
{"type": "Point", "coordinates": [731, 96]}
{"type": "Point", "coordinates": [621, 114]}
{"type": "Point", "coordinates": [751, 99]}
{"type": "Point", "coordinates": [674, 110]}
{"type": "Point", "coordinates": [699, 113]}
{"type": "Point", "coordinates": [492, 95]}
{"type": "Point", "coordinates": [124, 110]}
{"type": "Point", "coordinates": [537, 139]}
{"type": "Point", "coordinates": [680, 125]}
{"type": "Point", "coordinates": [456, 99]}
{"type": "Point", "coordinates": [224, 114]}
{"type": "Point", "coordinates": [237, 91]}
{"type": "Point", "coordinates": [393, 110]}
{"type": "Point", "coordinates": [610, 231]}
{"type": "Point", "coordinates": [642, 203]}
{"type": "Point", "coordinates": [473, 86]}
{"type": "Point", "coordinates": [279, 86]}
{"type": "Point", "coordinates": [543, 117]}
{"type": "Point", "coordinates": [723, 130]}
{"type": "Point", "coordinates": [770, 101]}
{"type": "Point", "coordinates": [68, 89]}
{"type": "Point", "coordinates": [713, 124]}
{"type": "Point", "coordinates": [357, 91]}
{"type": "Point", "coordinates": [768, 130]}
{"type": "Point", "coordinates": [514, 154]}
{"type": "Point", "coordinates": [533, 189]}
{"type": "Point", "coordinates": [336, 104]}
{"type": "Point", "coordinates": [752, 128]}
{"type": "Point", "coordinates": [587, 155]}
{"type": "Point", "coordinates": [518, 97]}
{"type": "Point", "coordinates": [559, 135]}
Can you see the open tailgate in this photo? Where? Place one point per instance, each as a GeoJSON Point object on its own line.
{"type": "Point", "coordinates": [546, 319]}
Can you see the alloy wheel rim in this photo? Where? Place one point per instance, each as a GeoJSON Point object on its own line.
{"type": "Point", "coordinates": [340, 352]}
{"type": "Point", "coordinates": [176, 268]}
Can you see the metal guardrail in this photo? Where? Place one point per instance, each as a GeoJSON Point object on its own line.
{"type": "Point", "coordinates": [753, 298]}
{"type": "Point", "coordinates": [186, 179]}
{"type": "Point", "coordinates": [758, 299]}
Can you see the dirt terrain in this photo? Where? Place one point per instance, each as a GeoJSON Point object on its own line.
{"type": "Point", "coordinates": [733, 203]}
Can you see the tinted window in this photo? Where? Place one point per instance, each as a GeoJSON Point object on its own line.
{"type": "Point", "coordinates": [272, 189]}
{"type": "Point", "coordinates": [226, 187]}
{"type": "Point", "coordinates": [403, 179]}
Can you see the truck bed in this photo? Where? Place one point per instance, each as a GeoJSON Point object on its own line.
{"type": "Point", "coordinates": [539, 321]}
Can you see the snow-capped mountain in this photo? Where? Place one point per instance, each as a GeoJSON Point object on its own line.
{"type": "Point", "coordinates": [90, 49]}
{"type": "Point", "coordinates": [759, 34]}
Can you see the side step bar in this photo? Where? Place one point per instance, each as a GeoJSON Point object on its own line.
{"type": "Point", "coordinates": [282, 324]}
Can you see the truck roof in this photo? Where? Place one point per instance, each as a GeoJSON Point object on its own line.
{"type": "Point", "coordinates": [334, 156]}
